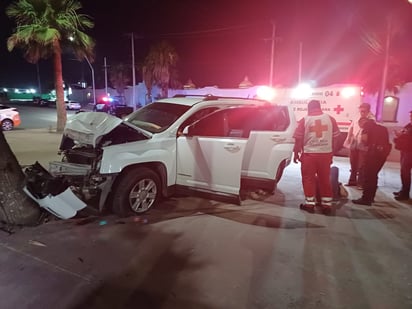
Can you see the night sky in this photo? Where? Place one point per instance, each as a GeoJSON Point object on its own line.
{"type": "Point", "coordinates": [221, 41]}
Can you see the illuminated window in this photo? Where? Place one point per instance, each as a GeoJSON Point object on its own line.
{"type": "Point", "coordinates": [390, 109]}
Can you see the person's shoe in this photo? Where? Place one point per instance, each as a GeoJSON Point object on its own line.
{"type": "Point", "coordinates": [361, 201]}
{"type": "Point", "coordinates": [308, 208]}
{"type": "Point", "coordinates": [359, 187]}
{"type": "Point", "coordinates": [401, 197]}
{"type": "Point", "coordinates": [351, 184]}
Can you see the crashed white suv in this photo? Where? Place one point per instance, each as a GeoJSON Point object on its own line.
{"type": "Point", "coordinates": [212, 145]}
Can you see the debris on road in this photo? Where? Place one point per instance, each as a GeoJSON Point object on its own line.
{"type": "Point", "coordinates": [37, 243]}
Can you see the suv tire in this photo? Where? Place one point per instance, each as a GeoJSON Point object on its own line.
{"type": "Point", "coordinates": [136, 192]}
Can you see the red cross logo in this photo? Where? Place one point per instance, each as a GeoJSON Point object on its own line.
{"type": "Point", "coordinates": [338, 109]}
{"type": "Point", "coordinates": [318, 128]}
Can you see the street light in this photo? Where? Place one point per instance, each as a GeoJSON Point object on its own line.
{"type": "Point", "coordinates": [93, 84]}
{"type": "Point", "coordinates": [71, 38]}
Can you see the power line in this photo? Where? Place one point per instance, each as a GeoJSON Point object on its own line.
{"type": "Point", "coordinates": [214, 31]}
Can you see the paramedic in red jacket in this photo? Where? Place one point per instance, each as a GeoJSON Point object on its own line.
{"type": "Point", "coordinates": [315, 138]}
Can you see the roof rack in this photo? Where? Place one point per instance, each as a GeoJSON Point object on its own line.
{"type": "Point", "coordinates": [208, 97]}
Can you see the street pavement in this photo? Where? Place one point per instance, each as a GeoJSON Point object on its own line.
{"type": "Point", "coordinates": [197, 253]}
{"type": "Point", "coordinates": [33, 145]}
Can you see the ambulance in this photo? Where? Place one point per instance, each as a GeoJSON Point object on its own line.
{"type": "Point", "coordinates": [341, 101]}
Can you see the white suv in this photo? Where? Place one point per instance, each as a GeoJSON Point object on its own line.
{"type": "Point", "coordinates": [212, 145]}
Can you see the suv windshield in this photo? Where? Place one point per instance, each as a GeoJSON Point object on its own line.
{"type": "Point", "coordinates": [157, 117]}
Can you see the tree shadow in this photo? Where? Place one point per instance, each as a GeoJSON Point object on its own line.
{"type": "Point", "coordinates": [149, 278]}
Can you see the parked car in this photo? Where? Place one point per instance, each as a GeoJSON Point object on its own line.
{"type": "Point", "coordinates": [72, 105]}
{"type": "Point", "coordinates": [218, 146]}
{"type": "Point", "coordinates": [42, 101]}
{"type": "Point", "coordinates": [115, 106]}
{"type": "Point", "coordinates": [9, 117]}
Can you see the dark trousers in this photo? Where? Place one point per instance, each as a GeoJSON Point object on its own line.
{"type": "Point", "coordinates": [406, 166]}
{"type": "Point", "coordinates": [373, 164]}
{"type": "Point", "coordinates": [357, 161]}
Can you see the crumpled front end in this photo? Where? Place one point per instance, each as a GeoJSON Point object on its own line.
{"type": "Point", "coordinates": [68, 185]}
{"type": "Point", "coordinates": [88, 127]}
{"type": "Point", "coordinates": [51, 193]}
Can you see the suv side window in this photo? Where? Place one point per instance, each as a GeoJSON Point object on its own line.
{"type": "Point", "coordinates": [230, 122]}
{"type": "Point", "coordinates": [196, 116]}
{"type": "Point", "coordinates": [272, 118]}
{"type": "Point", "coordinates": [239, 121]}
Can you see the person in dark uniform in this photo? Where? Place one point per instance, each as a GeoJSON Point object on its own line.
{"type": "Point", "coordinates": [403, 142]}
{"type": "Point", "coordinates": [376, 137]}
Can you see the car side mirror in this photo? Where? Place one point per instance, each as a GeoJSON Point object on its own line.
{"type": "Point", "coordinates": [187, 131]}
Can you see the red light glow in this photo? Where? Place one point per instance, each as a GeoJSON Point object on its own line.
{"type": "Point", "coordinates": [348, 92]}
{"type": "Point", "coordinates": [302, 91]}
{"type": "Point", "coordinates": [265, 93]}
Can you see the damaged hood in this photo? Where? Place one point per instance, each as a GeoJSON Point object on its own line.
{"type": "Point", "coordinates": [88, 127]}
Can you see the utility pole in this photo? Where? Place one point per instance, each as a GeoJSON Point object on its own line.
{"type": "Point", "coordinates": [105, 76]}
{"type": "Point", "coordinates": [381, 94]}
{"type": "Point", "coordinates": [300, 62]}
{"type": "Point", "coordinates": [272, 54]}
{"type": "Point", "coordinates": [132, 37]}
{"type": "Point", "coordinates": [133, 74]}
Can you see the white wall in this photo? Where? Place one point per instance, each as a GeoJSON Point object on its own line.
{"type": "Point", "coordinates": [81, 95]}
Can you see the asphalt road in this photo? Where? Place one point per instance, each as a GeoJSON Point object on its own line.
{"type": "Point", "coordinates": [197, 253]}
{"type": "Point", "coordinates": [35, 117]}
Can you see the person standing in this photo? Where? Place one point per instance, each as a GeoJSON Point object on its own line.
{"type": "Point", "coordinates": [315, 141]}
{"type": "Point", "coordinates": [353, 141]}
{"type": "Point", "coordinates": [361, 151]}
{"type": "Point", "coordinates": [403, 142]}
{"type": "Point", "coordinates": [376, 138]}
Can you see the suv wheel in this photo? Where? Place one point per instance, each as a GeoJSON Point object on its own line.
{"type": "Point", "coordinates": [7, 125]}
{"type": "Point", "coordinates": [136, 192]}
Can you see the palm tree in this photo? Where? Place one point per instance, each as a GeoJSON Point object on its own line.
{"type": "Point", "coordinates": [44, 28]}
{"type": "Point", "coordinates": [16, 208]}
{"type": "Point", "coordinates": [119, 77]}
{"type": "Point", "coordinates": [159, 67]}
{"type": "Point", "coordinates": [382, 31]}
{"type": "Point", "coordinates": [379, 44]}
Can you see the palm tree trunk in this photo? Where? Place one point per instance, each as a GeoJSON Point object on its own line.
{"type": "Point", "coordinates": [16, 208]}
{"type": "Point", "coordinates": [165, 90]}
{"type": "Point", "coordinates": [58, 84]}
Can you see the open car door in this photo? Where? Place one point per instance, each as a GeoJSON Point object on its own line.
{"type": "Point", "coordinates": [270, 143]}
{"type": "Point", "coordinates": [210, 153]}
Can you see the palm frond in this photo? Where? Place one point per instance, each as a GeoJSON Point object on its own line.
{"type": "Point", "coordinates": [372, 41]}
{"type": "Point", "coordinates": [42, 28]}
